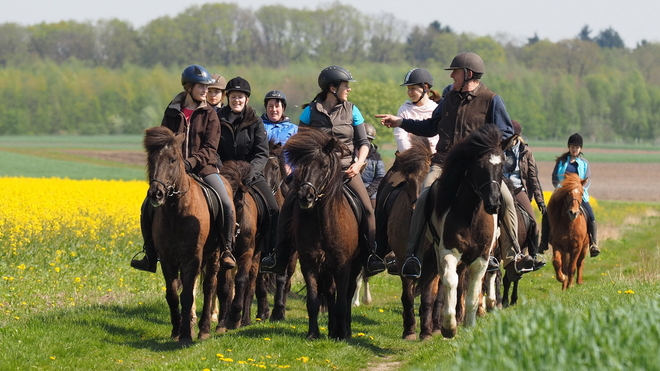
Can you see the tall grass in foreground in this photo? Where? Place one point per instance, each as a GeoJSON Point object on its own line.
{"type": "Point", "coordinates": [69, 301]}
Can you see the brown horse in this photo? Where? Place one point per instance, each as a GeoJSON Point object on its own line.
{"type": "Point", "coordinates": [568, 230]}
{"type": "Point", "coordinates": [237, 286]}
{"type": "Point", "coordinates": [404, 181]}
{"type": "Point", "coordinates": [463, 223]}
{"type": "Point", "coordinates": [324, 229]}
{"type": "Point", "coordinates": [182, 230]}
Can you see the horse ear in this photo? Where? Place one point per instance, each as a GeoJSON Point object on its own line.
{"type": "Point", "coordinates": [330, 146]}
{"type": "Point", "coordinates": [178, 139]}
{"type": "Point", "coordinates": [584, 181]}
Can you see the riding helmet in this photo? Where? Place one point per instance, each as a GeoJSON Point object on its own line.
{"type": "Point", "coordinates": [575, 139]}
{"type": "Point", "coordinates": [418, 76]}
{"type": "Point", "coordinates": [219, 82]}
{"type": "Point", "coordinates": [238, 84]}
{"type": "Point", "coordinates": [333, 75]}
{"type": "Point", "coordinates": [468, 60]}
{"type": "Point", "coordinates": [371, 131]}
{"type": "Point", "coordinates": [195, 74]}
{"type": "Point", "coordinates": [275, 94]}
{"type": "Point", "coordinates": [517, 129]}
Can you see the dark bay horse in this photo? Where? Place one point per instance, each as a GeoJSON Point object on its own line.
{"type": "Point", "coordinates": [182, 230]}
{"type": "Point", "coordinates": [568, 230]}
{"type": "Point", "coordinates": [237, 286]}
{"type": "Point", "coordinates": [405, 179]}
{"type": "Point", "coordinates": [324, 229]}
{"type": "Point", "coordinates": [463, 223]}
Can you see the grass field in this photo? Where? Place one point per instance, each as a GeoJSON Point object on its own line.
{"type": "Point", "coordinates": [70, 301]}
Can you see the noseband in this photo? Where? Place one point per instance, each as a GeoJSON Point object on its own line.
{"type": "Point", "coordinates": [318, 192]}
{"type": "Point", "coordinates": [477, 190]}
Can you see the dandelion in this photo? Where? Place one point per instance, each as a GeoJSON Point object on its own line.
{"type": "Point", "coordinates": [629, 292]}
{"type": "Point", "coordinates": [267, 339]}
{"type": "Point", "coordinates": [303, 359]}
{"type": "Point", "coordinates": [381, 311]}
{"type": "Point", "coordinates": [21, 267]}
{"type": "Point", "coordinates": [57, 269]}
{"type": "Point", "coordinates": [360, 334]}
{"type": "Point", "coordinates": [52, 357]}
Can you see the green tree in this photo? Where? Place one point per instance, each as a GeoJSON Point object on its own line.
{"type": "Point", "coordinates": [14, 41]}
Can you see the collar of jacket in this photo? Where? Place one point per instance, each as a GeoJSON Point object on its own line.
{"type": "Point", "coordinates": [469, 95]}
{"type": "Point", "coordinates": [248, 117]}
{"type": "Point", "coordinates": [266, 120]}
{"type": "Point", "coordinates": [184, 99]}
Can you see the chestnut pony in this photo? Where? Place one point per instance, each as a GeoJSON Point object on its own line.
{"type": "Point", "coordinates": [568, 230]}
{"type": "Point", "coordinates": [463, 222]}
{"type": "Point", "coordinates": [324, 229]}
{"type": "Point", "coordinates": [184, 236]}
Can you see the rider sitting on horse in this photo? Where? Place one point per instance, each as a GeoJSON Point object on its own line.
{"type": "Point", "coordinates": [189, 114]}
{"type": "Point", "coordinates": [331, 112]}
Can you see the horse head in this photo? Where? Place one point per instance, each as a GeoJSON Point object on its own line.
{"type": "Point", "coordinates": [315, 157]}
{"type": "Point", "coordinates": [165, 164]}
{"type": "Point", "coordinates": [275, 169]}
{"type": "Point", "coordinates": [485, 177]}
{"type": "Point", "coordinates": [574, 189]}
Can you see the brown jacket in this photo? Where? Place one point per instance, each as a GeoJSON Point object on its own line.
{"type": "Point", "coordinates": [202, 133]}
{"type": "Point", "coordinates": [529, 174]}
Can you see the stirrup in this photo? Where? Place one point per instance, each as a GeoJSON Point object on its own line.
{"type": "Point", "coordinates": [417, 263]}
{"type": "Point", "coordinates": [493, 264]}
{"type": "Point", "coordinates": [518, 258]}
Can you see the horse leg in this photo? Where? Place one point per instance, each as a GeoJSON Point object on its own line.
{"type": "Point", "coordinates": [210, 290]}
{"type": "Point", "coordinates": [356, 297]}
{"type": "Point", "coordinates": [558, 264]}
{"type": "Point", "coordinates": [507, 285]}
{"type": "Point", "coordinates": [283, 287]}
{"type": "Point", "coordinates": [225, 291]}
{"type": "Point", "coordinates": [580, 263]}
{"type": "Point", "coordinates": [241, 282]}
{"type": "Point", "coordinates": [261, 293]}
{"type": "Point", "coordinates": [491, 294]}
{"type": "Point", "coordinates": [447, 265]}
{"type": "Point", "coordinates": [366, 294]}
{"type": "Point", "coordinates": [172, 297]}
{"type": "Point", "coordinates": [250, 289]}
{"type": "Point", "coordinates": [514, 293]}
{"type": "Point", "coordinates": [313, 304]}
{"type": "Point", "coordinates": [475, 278]}
{"type": "Point", "coordinates": [189, 275]}
{"type": "Point", "coordinates": [408, 303]}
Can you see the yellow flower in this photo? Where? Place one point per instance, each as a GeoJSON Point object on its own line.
{"type": "Point", "coordinates": [267, 339]}
{"type": "Point", "coordinates": [22, 266]}
{"type": "Point", "coordinates": [303, 359]}
{"type": "Point", "coordinates": [52, 357]}
{"type": "Point", "coordinates": [629, 292]}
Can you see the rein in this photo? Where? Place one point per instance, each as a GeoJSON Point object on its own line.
{"type": "Point", "coordinates": [318, 192]}
{"type": "Point", "coordinates": [171, 188]}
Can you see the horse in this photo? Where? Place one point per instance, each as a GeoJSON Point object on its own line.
{"type": "Point", "coordinates": [396, 200]}
{"type": "Point", "coordinates": [183, 232]}
{"type": "Point", "coordinates": [568, 230]}
{"type": "Point", "coordinates": [463, 220]}
{"type": "Point", "coordinates": [324, 229]}
{"type": "Point", "coordinates": [235, 307]}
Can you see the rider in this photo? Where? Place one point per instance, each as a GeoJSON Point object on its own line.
{"type": "Point", "coordinates": [331, 112]}
{"type": "Point", "coordinates": [469, 105]}
{"type": "Point", "coordinates": [421, 105]}
{"type": "Point", "coordinates": [278, 126]}
{"type": "Point", "coordinates": [216, 94]}
{"type": "Point", "coordinates": [374, 167]}
{"type": "Point", "coordinates": [188, 113]}
{"type": "Point", "coordinates": [520, 169]}
{"type": "Point", "coordinates": [243, 138]}
{"type": "Point", "coordinates": [574, 162]}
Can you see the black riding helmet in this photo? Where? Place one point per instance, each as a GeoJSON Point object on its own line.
{"type": "Point", "coordinates": [196, 74]}
{"type": "Point", "coordinates": [238, 84]}
{"type": "Point", "coordinates": [275, 94]}
{"type": "Point", "coordinates": [419, 76]}
{"type": "Point", "coordinates": [468, 61]}
{"type": "Point", "coordinates": [575, 139]}
{"type": "Point", "coordinates": [333, 75]}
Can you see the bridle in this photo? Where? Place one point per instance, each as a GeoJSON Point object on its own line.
{"type": "Point", "coordinates": [278, 184]}
{"type": "Point", "coordinates": [318, 192]}
{"type": "Point", "coordinates": [171, 188]}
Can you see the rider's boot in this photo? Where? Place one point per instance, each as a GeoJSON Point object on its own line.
{"type": "Point", "coordinates": [539, 261]}
{"type": "Point", "coordinates": [594, 250]}
{"type": "Point", "coordinates": [375, 264]}
{"type": "Point", "coordinates": [227, 260]}
{"type": "Point", "coordinates": [150, 260]}
{"type": "Point", "coordinates": [412, 267]}
{"type": "Point", "coordinates": [545, 234]}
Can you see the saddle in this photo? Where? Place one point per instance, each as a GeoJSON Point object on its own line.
{"type": "Point", "coordinates": [262, 207]}
{"type": "Point", "coordinates": [212, 197]}
{"type": "Point", "coordinates": [358, 210]}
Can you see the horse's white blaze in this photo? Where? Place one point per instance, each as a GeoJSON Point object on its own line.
{"type": "Point", "coordinates": [495, 159]}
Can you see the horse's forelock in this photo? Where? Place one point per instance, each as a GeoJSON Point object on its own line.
{"type": "Point", "coordinates": [156, 138]}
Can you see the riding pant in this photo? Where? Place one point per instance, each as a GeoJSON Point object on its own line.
{"type": "Point", "coordinates": [226, 224]}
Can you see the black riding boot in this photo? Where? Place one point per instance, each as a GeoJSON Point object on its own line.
{"type": "Point", "coordinates": [545, 234]}
{"type": "Point", "coordinates": [594, 250]}
{"type": "Point", "coordinates": [227, 260]}
{"type": "Point", "coordinates": [277, 260]}
{"type": "Point", "coordinates": [279, 246]}
{"type": "Point", "coordinates": [533, 248]}
{"type": "Point", "coordinates": [150, 260]}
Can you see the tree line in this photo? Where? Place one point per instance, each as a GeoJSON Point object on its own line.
{"type": "Point", "coordinates": [109, 77]}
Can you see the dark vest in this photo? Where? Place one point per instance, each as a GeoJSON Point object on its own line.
{"type": "Point", "coordinates": [338, 123]}
{"type": "Point", "coordinates": [462, 113]}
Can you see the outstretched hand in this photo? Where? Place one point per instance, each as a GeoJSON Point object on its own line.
{"type": "Point", "coordinates": [390, 121]}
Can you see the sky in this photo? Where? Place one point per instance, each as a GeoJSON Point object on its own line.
{"type": "Point", "coordinates": [511, 20]}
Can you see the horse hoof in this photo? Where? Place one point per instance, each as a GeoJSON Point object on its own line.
{"type": "Point", "coordinates": [409, 337]}
{"type": "Point", "coordinates": [220, 330]}
{"type": "Point", "coordinates": [204, 336]}
{"type": "Point", "coordinates": [425, 337]}
{"type": "Point", "coordinates": [185, 342]}
{"type": "Point", "coordinates": [448, 333]}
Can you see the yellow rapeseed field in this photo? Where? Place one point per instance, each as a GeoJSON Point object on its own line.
{"type": "Point", "coordinates": [66, 242]}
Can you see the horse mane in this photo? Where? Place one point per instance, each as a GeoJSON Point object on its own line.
{"type": "Point", "coordinates": [415, 159]}
{"type": "Point", "coordinates": [478, 143]}
{"type": "Point", "coordinates": [571, 182]}
{"type": "Point", "coordinates": [307, 145]}
{"type": "Point", "coordinates": [156, 138]}
{"type": "Point", "coordinates": [237, 173]}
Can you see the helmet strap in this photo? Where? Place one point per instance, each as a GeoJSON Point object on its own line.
{"type": "Point", "coordinates": [424, 92]}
